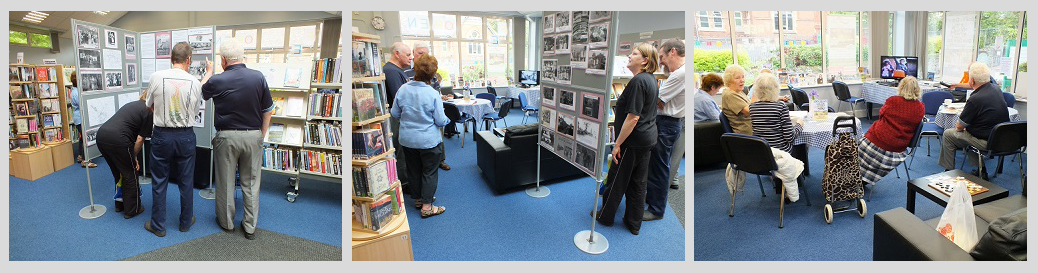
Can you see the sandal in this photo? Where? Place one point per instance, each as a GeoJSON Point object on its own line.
{"type": "Point", "coordinates": [432, 212]}
{"type": "Point", "coordinates": [418, 203]}
{"type": "Point", "coordinates": [88, 164]}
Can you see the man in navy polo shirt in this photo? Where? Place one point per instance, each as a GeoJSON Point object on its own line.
{"type": "Point", "coordinates": [985, 109]}
{"type": "Point", "coordinates": [242, 115]}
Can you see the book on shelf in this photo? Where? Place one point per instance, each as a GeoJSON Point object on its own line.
{"type": "Point", "coordinates": [365, 105]}
{"type": "Point", "coordinates": [294, 106]}
{"type": "Point", "coordinates": [16, 92]}
{"type": "Point", "coordinates": [48, 120]}
{"type": "Point", "coordinates": [293, 134]}
{"type": "Point", "coordinates": [13, 74]}
{"type": "Point", "coordinates": [26, 74]}
{"type": "Point", "coordinates": [280, 158]}
{"type": "Point", "coordinates": [33, 107]}
{"type": "Point", "coordinates": [23, 142]}
{"type": "Point", "coordinates": [21, 108]}
{"type": "Point", "coordinates": [321, 161]}
{"type": "Point", "coordinates": [368, 143]}
{"type": "Point", "coordinates": [275, 133]}
{"type": "Point", "coordinates": [324, 133]}
{"type": "Point", "coordinates": [374, 215]}
{"type": "Point", "coordinates": [22, 124]}
{"type": "Point", "coordinates": [44, 74]}
{"type": "Point", "coordinates": [51, 135]}
{"type": "Point", "coordinates": [279, 106]}
{"type": "Point", "coordinates": [292, 75]}
{"type": "Point", "coordinates": [327, 104]}
{"type": "Point", "coordinates": [371, 180]}
{"type": "Point", "coordinates": [326, 71]}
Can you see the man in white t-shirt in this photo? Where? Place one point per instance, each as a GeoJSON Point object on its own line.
{"type": "Point", "coordinates": [173, 96]}
{"type": "Point", "coordinates": [671, 125]}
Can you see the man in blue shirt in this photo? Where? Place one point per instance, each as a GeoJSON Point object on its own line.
{"type": "Point", "coordinates": [396, 75]}
{"type": "Point", "coordinates": [985, 109]}
{"type": "Point", "coordinates": [704, 106]}
{"type": "Point", "coordinates": [242, 116]}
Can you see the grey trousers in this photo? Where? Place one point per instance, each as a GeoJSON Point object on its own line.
{"type": "Point", "coordinates": [953, 140]}
{"type": "Point", "coordinates": [242, 151]}
{"type": "Point", "coordinates": [675, 158]}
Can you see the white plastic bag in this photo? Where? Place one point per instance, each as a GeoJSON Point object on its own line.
{"type": "Point", "coordinates": [958, 222]}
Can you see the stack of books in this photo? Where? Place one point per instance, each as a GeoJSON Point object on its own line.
{"type": "Point", "coordinates": [327, 71]}
{"type": "Point", "coordinates": [321, 162]}
{"type": "Point", "coordinates": [375, 215]}
{"type": "Point", "coordinates": [324, 133]}
{"type": "Point", "coordinates": [372, 180]}
{"type": "Point", "coordinates": [325, 104]}
{"type": "Point", "coordinates": [280, 158]}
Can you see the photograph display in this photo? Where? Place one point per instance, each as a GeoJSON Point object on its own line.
{"type": "Point", "coordinates": [88, 37]}
{"type": "Point", "coordinates": [564, 124]}
{"type": "Point", "coordinates": [599, 35]}
{"type": "Point", "coordinates": [547, 138]}
{"type": "Point", "coordinates": [131, 46]}
{"type": "Point", "coordinates": [597, 16]}
{"type": "Point", "coordinates": [113, 80]}
{"type": "Point", "coordinates": [596, 62]}
{"type": "Point", "coordinates": [197, 69]}
{"type": "Point", "coordinates": [201, 43]}
{"type": "Point", "coordinates": [163, 44]}
{"type": "Point", "coordinates": [562, 22]}
{"type": "Point", "coordinates": [89, 59]}
{"type": "Point", "coordinates": [549, 23]}
{"type": "Point", "coordinates": [587, 132]}
{"type": "Point", "coordinates": [131, 74]}
{"type": "Point", "coordinates": [562, 43]}
{"type": "Point", "coordinates": [591, 105]}
{"type": "Point", "coordinates": [549, 45]}
{"type": "Point", "coordinates": [567, 100]}
{"type": "Point", "coordinates": [547, 96]}
{"type": "Point", "coordinates": [564, 147]}
{"type": "Point", "coordinates": [548, 67]}
{"type": "Point", "coordinates": [580, 27]}
{"type": "Point", "coordinates": [586, 158]}
{"type": "Point", "coordinates": [548, 118]}
{"type": "Point", "coordinates": [111, 39]}
{"type": "Point", "coordinates": [624, 47]}
{"type": "Point", "coordinates": [578, 56]}
{"type": "Point", "coordinates": [564, 74]}
{"type": "Point", "coordinates": [91, 81]}
{"type": "Point", "coordinates": [91, 135]}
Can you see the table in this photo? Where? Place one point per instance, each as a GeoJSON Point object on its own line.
{"type": "Point", "coordinates": [918, 186]}
{"type": "Point", "coordinates": [947, 119]}
{"type": "Point", "coordinates": [475, 108]}
{"type": "Point", "coordinates": [819, 133]}
{"type": "Point", "coordinates": [533, 95]}
{"type": "Point", "coordinates": [875, 93]}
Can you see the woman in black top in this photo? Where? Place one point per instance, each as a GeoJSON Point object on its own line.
{"type": "Point", "coordinates": [119, 139]}
{"type": "Point", "coordinates": [636, 135]}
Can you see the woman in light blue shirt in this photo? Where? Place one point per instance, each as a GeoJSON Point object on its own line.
{"type": "Point", "coordinates": [705, 107]}
{"type": "Point", "coordinates": [420, 110]}
{"type": "Point", "coordinates": [77, 150]}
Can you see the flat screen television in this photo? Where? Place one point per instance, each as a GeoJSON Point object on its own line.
{"type": "Point", "coordinates": [888, 64]}
{"type": "Point", "coordinates": [530, 77]}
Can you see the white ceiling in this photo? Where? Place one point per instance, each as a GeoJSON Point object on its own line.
{"type": "Point", "coordinates": [62, 20]}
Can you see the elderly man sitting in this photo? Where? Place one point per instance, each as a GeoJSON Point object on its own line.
{"type": "Point", "coordinates": [985, 109]}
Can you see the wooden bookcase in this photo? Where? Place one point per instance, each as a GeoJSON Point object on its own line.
{"type": "Point", "coordinates": [45, 156]}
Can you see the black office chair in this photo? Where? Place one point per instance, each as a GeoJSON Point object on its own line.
{"type": "Point", "coordinates": [752, 154]}
{"type": "Point", "coordinates": [1010, 99]}
{"type": "Point", "coordinates": [1006, 138]}
{"type": "Point", "coordinates": [456, 116]}
{"type": "Point", "coordinates": [491, 90]}
{"type": "Point", "coordinates": [844, 94]}
{"type": "Point", "coordinates": [724, 123]}
{"type": "Point", "coordinates": [913, 144]}
{"type": "Point", "coordinates": [800, 98]}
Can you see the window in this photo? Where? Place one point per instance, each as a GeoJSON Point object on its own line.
{"type": "Point", "coordinates": [275, 42]}
{"type": "Point", "coordinates": [960, 34]}
{"type": "Point", "coordinates": [273, 38]}
{"type": "Point", "coordinates": [1022, 67]}
{"type": "Point", "coordinates": [475, 48]}
{"type": "Point", "coordinates": [718, 22]}
{"type": "Point", "coordinates": [758, 45]}
{"type": "Point", "coordinates": [304, 36]}
{"type": "Point", "coordinates": [999, 31]}
{"type": "Point", "coordinates": [841, 39]}
{"type": "Point", "coordinates": [704, 20]}
{"type": "Point", "coordinates": [802, 50]}
{"type": "Point", "coordinates": [713, 49]}
{"type": "Point", "coordinates": [18, 37]}
{"type": "Point", "coordinates": [788, 22]}
{"type": "Point", "coordinates": [712, 20]}
{"type": "Point", "coordinates": [738, 18]}
{"type": "Point", "coordinates": [40, 40]}
{"type": "Point", "coordinates": [934, 41]}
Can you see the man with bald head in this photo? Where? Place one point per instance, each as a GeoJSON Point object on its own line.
{"type": "Point", "coordinates": [396, 76]}
{"type": "Point", "coordinates": [985, 109]}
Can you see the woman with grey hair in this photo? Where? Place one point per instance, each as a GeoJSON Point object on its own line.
{"type": "Point", "coordinates": [886, 142]}
{"type": "Point", "coordinates": [770, 117]}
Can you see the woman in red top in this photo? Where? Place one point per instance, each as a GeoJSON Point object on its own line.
{"type": "Point", "coordinates": [886, 142]}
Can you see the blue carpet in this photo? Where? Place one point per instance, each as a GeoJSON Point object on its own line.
{"type": "Point", "coordinates": [45, 224]}
{"type": "Point", "coordinates": [479, 225]}
{"type": "Point", "coordinates": [753, 233]}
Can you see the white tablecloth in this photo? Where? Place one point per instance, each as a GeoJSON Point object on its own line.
{"type": "Point", "coordinates": [876, 93]}
{"type": "Point", "coordinates": [819, 133]}
{"type": "Point", "coordinates": [475, 107]}
{"type": "Point", "coordinates": [947, 119]}
{"type": "Point", "coordinates": [533, 95]}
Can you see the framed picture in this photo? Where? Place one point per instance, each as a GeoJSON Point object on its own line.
{"type": "Point", "coordinates": [567, 100]}
{"type": "Point", "coordinates": [562, 22]}
{"type": "Point", "coordinates": [579, 33]}
{"type": "Point", "coordinates": [548, 96]}
{"type": "Point", "coordinates": [578, 56]}
{"type": "Point", "coordinates": [91, 81]}
{"type": "Point", "coordinates": [131, 74]}
{"type": "Point", "coordinates": [131, 46]}
{"type": "Point", "coordinates": [586, 158]}
{"type": "Point", "coordinates": [549, 23]}
{"type": "Point", "coordinates": [599, 35]}
{"type": "Point", "coordinates": [548, 67]}
{"type": "Point", "coordinates": [549, 45]}
{"type": "Point", "coordinates": [89, 59]}
{"type": "Point", "coordinates": [562, 43]}
{"type": "Point", "coordinates": [163, 44]}
{"type": "Point", "coordinates": [564, 124]}
{"type": "Point", "coordinates": [87, 37]}
{"type": "Point", "coordinates": [564, 74]}
{"type": "Point", "coordinates": [597, 16]}
{"type": "Point", "coordinates": [591, 105]}
{"type": "Point", "coordinates": [547, 138]}
{"type": "Point", "coordinates": [564, 147]}
{"type": "Point", "coordinates": [548, 118]}
{"type": "Point", "coordinates": [113, 80]}
{"type": "Point", "coordinates": [587, 132]}
{"type": "Point", "coordinates": [111, 39]}
{"type": "Point", "coordinates": [596, 62]}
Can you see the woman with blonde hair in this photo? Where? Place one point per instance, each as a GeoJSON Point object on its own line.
{"type": "Point", "coordinates": [735, 105]}
{"type": "Point", "coordinates": [636, 136]}
{"type": "Point", "coordinates": [886, 142]}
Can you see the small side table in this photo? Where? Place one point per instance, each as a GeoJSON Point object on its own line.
{"type": "Point", "coordinates": [919, 186]}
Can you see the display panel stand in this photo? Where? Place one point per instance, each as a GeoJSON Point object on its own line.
{"type": "Point", "coordinates": [590, 241]}
{"type": "Point", "coordinates": [144, 179]}
{"type": "Point", "coordinates": [210, 192]}
{"type": "Point", "coordinates": [538, 191]}
{"type": "Point", "coordinates": [93, 210]}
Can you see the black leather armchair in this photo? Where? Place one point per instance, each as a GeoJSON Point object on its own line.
{"type": "Point", "coordinates": [900, 236]}
{"type": "Point", "coordinates": [512, 162]}
{"type": "Point", "coordinates": [707, 145]}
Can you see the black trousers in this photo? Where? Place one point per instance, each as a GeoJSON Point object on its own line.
{"type": "Point", "coordinates": [120, 160]}
{"type": "Point", "coordinates": [627, 178]}
{"type": "Point", "coordinates": [423, 169]}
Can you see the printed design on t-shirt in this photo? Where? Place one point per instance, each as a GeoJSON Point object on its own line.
{"type": "Point", "coordinates": [175, 108]}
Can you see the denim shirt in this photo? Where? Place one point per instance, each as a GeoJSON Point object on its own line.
{"type": "Point", "coordinates": [705, 107]}
{"type": "Point", "coordinates": [420, 110]}
{"type": "Point", "coordinates": [74, 100]}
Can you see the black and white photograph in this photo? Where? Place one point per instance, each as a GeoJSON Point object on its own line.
{"type": "Point", "coordinates": [89, 59]}
{"type": "Point", "coordinates": [131, 74]}
{"type": "Point", "coordinates": [163, 44]}
{"type": "Point", "coordinates": [599, 16]}
{"type": "Point", "coordinates": [547, 96]}
{"type": "Point", "coordinates": [562, 23]}
{"type": "Point", "coordinates": [564, 147]}
{"type": "Point", "coordinates": [578, 56]}
{"type": "Point", "coordinates": [549, 23]}
{"type": "Point", "coordinates": [591, 105]}
{"type": "Point", "coordinates": [130, 47]}
{"type": "Point", "coordinates": [111, 39]}
{"type": "Point", "coordinates": [199, 119]}
{"type": "Point", "coordinates": [91, 81]}
{"type": "Point", "coordinates": [547, 138]}
{"type": "Point", "coordinates": [564, 124]}
{"type": "Point", "coordinates": [88, 37]}
{"type": "Point", "coordinates": [564, 74]}
{"type": "Point", "coordinates": [567, 100]}
{"type": "Point", "coordinates": [586, 158]}
{"type": "Point", "coordinates": [562, 43]}
{"type": "Point", "coordinates": [548, 118]}
{"type": "Point", "coordinates": [548, 69]}
{"type": "Point", "coordinates": [587, 132]}
{"type": "Point", "coordinates": [113, 80]}
{"type": "Point", "coordinates": [201, 43]}
{"type": "Point", "coordinates": [596, 62]}
{"type": "Point", "coordinates": [549, 45]}
{"type": "Point", "coordinates": [624, 47]}
{"type": "Point", "coordinates": [91, 135]}
{"type": "Point", "coordinates": [599, 35]}
{"type": "Point", "coordinates": [197, 68]}
{"type": "Point", "coordinates": [580, 27]}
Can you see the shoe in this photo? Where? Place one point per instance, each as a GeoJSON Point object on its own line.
{"type": "Point", "coordinates": [674, 186]}
{"type": "Point", "coordinates": [221, 227]}
{"type": "Point", "coordinates": [444, 166]}
{"type": "Point", "coordinates": [131, 215]}
{"type": "Point", "coordinates": [186, 229]}
{"type": "Point", "coordinates": [603, 222]}
{"type": "Point", "coordinates": [632, 230]}
{"type": "Point", "coordinates": [149, 228]}
{"type": "Point", "coordinates": [250, 236]}
{"type": "Point", "coordinates": [648, 216]}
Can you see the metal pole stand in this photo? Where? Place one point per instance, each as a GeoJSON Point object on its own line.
{"type": "Point", "coordinates": [144, 179]}
{"type": "Point", "coordinates": [209, 193]}
{"type": "Point", "coordinates": [538, 191]}
{"type": "Point", "coordinates": [93, 210]}
{"type": "Point", "coordinates": [590, 241]}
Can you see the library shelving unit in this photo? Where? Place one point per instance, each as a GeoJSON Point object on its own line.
{"type": "Point", "coordinates": [391, 241]}
{"type": "Point", "coordinates": [39, 136]}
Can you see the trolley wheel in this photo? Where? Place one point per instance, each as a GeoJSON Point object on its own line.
{"type": "Point", "coordinates": [828, 213]}
{"type": "Point", "coordinates": [291, 197]}
{"type": "Point", "coordinates": [862, 209]}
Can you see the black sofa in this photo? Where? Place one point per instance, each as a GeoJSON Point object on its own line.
{"type": "Point", "coordinates": [707, 145]}
{"type": "Point", "coordinates": [900, 236]}
{"type": "Point", "coordinates": [512, 162]}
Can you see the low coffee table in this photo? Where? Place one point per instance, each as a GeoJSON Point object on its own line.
{"type": "Point", "coordinates": [919, 185]}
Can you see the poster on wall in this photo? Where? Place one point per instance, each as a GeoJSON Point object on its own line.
{"type": "Point", "coordinates": [197, 68]}
{"type": "Point", "coordinates": [547, 138]}
{"type": "Point", "coordinates": [548, 69]}
{"type": "Point", "coordinates": [113, 59]}
{"type": "Point", "coordinates": [564, 147]}
{"type": "Point", "coordinates": [113, 80]}
{"type": "Point", "coordinates": [564, 74]}
{"type": "Point", "coordinates": [596, 62]}
{"type": "Point", "coordinates": [567, 100]}
{"type": "Point", "coordinates": [549, 23]}
{"type": "Point", "coordinates": [111, 39]}
{"type": "Point", "coordinates": [587, 132]}
{"type": "Point", "coordinates": [100, 109]}
{"type": "Point", "coordinates": [88, 37]}
{"type": "Point", "coordinates": [597, 16]}
{"type": "Point", "coordinates": [90, 81]}
{"type": "Point", "coordinates": [591, 106]}
{"type": "Point", "coordinates": [548, 97]}
{"type": "Point", "coordinates": [580, 27]}
{"type": "Point", "coordinates": [578, 56]}
{"type": "Point", "coordinates": [549, 45]}
{"type": "Point", "coordinates": [201, 43]}
{"type": "Point", "coordinates": [562, 44]}
{"type": "Point", "coordinates": [179, 36]}
{"type": "Point", "coordinates": [562, 23]}
{"type": "Point", "coordinates": [147, 68]}
{"type": "Point", "coordinates": [128, 97]}
{"type": "Point", "coordinates": [147, 46]}
{"type": "Point", "coordinates": [131, 74]}
{"type": "Point", "coordinates": [131, 46]}
{"type": "Point", "coordinates": [586, 157]}
{"type": "Point", "coordinates": [599, 35]}
{"type": "Point", "coordinates": [89, 59]}
{"type": "Point", "coordinates": [163, 46]}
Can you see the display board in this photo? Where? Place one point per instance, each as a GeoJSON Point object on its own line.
{"type": "Point", "coordinates": [156, 48]}
{"type": "Point", "coordinates": [576, 57]}
{"type": "Point", "coordinates": [106, 62]}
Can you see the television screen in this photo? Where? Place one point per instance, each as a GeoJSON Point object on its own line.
{"type": "Point", "coordinates": [530, 77]}
{"type": "Point", "coordinates": [889, 64]}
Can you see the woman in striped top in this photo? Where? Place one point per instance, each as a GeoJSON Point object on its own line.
{"type": "Point", "coordinates": [770, 116]}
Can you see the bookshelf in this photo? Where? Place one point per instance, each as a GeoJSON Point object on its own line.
{"type": "Point", "coordinates": [39, 133]}
{"type": "Point", "coordinates": [378, 235]}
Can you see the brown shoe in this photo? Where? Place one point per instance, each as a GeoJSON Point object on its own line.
{"type": "Point", "coordinates": [444, 166]}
